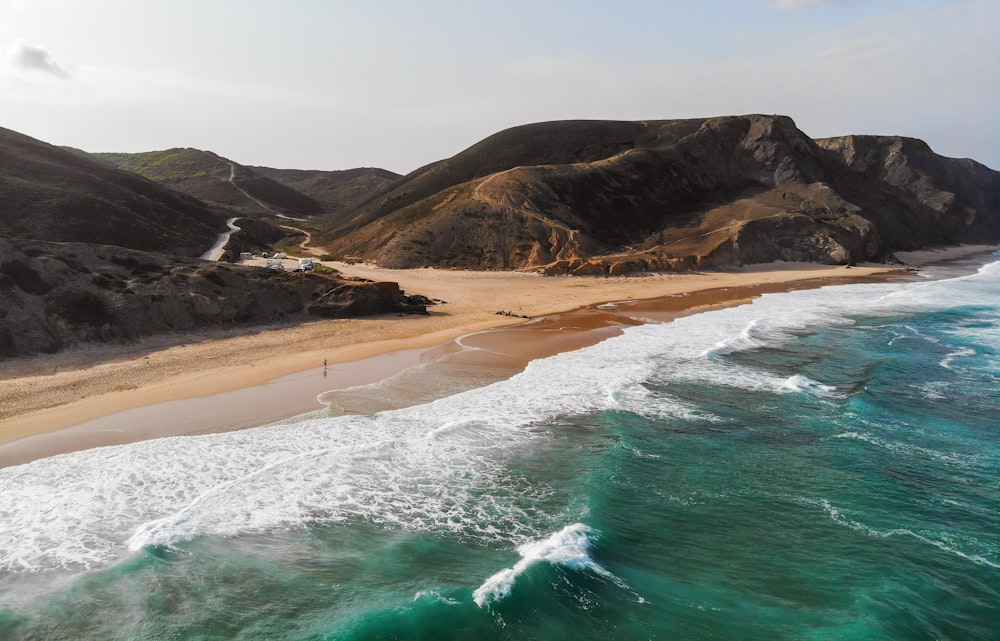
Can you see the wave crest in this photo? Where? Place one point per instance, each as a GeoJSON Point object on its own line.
{"type": "Point", "coordinates": [569, 547]}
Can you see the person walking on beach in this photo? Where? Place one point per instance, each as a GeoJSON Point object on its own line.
{"type": "Point", "coordinates": [324, 363]}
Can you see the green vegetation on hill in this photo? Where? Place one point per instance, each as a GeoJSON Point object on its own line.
{"type": "Point", "coordinates": [171, 165]}
{"type": "Point", "coordinates": [206, 176]}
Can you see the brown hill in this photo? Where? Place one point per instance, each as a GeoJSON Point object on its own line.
{"type": "Point", "coordinates": [212, 178]}
{"type": "Point", "coordinates": [53, 194]}
{"type": "Point", "coordinates": [333, 190]}
{"type": "Point", "coordinates": [252, 190]}
{"type": "Point", "coordinates": [600, 197]}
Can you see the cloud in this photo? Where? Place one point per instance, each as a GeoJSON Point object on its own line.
{"type": "Point", "coordinates": [31, 57]}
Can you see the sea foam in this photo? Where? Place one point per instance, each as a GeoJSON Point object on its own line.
{"type": "Point", "coordinates": [434, 466]}
{"type": "Point", "coordinates": [438, 466]}
{"type": "Point", "coordinates": [800, 383]}
{"type": "Point", "coordinates": [569, 548]}
{"type": "Point", "coordinates": [940, 540]}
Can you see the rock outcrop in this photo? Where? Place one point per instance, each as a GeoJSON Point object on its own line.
{"type": "Point", "coordinates": [57, 295]}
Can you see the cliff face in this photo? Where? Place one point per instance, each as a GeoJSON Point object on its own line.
{"type": "Point", "coordinates": [613, 197]}
{"type": "Point", "coordinates": [58, 295]}
{"type": "Point", "coordinates": [923, 199]}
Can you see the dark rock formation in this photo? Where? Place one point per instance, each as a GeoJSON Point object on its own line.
{"type": "Point", "coordinates": [364, 298]}
{"type": "Point", "coordinates": [920, 199]}
{"type": "Point", "coordinates": [56, 295]}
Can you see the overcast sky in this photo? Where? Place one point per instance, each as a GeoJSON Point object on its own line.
{"type": "Point", "coordinates": [339, 84]}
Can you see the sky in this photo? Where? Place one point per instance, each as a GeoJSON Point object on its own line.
{"type": "Point", "coordinates": [398, 84]}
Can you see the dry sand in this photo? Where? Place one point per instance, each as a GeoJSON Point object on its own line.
{"type": "Point", "coordinates": [246, 379]}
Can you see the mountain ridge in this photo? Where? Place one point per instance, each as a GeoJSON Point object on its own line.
{"type": "Point", "coordinates": [54, 194]}
{"type": "Point", "coordinates": [88, 251]}
{"type": "Point", "coordinates": [618, 197]}
{"type": "Point", "coordinates": [252, 190]}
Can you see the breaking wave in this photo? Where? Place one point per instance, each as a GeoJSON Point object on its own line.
{"type": "Point", "coordinates": [569, 548]}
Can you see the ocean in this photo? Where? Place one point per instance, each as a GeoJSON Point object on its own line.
{"type": "Point", "coordinates": [816, 464]}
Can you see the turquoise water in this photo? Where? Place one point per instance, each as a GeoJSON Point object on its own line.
{"type": "Point", "coordinates": [820, 464]}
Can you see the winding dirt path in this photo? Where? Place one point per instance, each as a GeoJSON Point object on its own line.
{"type": "Point", "coordinates": [505, 201]}
{"type": "Point", "coordinates": [232, 175]}
{"type": "Point", "coordinates": [305, 244]}
{"type": "Point", "coordinates": [219, 248]}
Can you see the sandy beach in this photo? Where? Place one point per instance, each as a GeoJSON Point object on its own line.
{"type": "Point", "coordinates": [235, 379]}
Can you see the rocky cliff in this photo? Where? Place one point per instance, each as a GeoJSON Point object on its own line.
{"type": "Point", "coordinates": [57, 295]}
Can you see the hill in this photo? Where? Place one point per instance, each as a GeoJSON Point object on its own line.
{"type": "Point", "coordinates": [616, 197]}
{"type": "Point", "coordinates": [251, 190]}
{"type": "Point", "coordinates": [91, 253]}
{"type": "Point", "coordinates": [53, 194]}
{"type": "Point", "coordinates": [215, 179]}
{"type": "Point", "coordinates": [333, 190]}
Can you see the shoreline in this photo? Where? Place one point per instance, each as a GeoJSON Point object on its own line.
{"type": "Point", "coordinates": [239, 391]}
